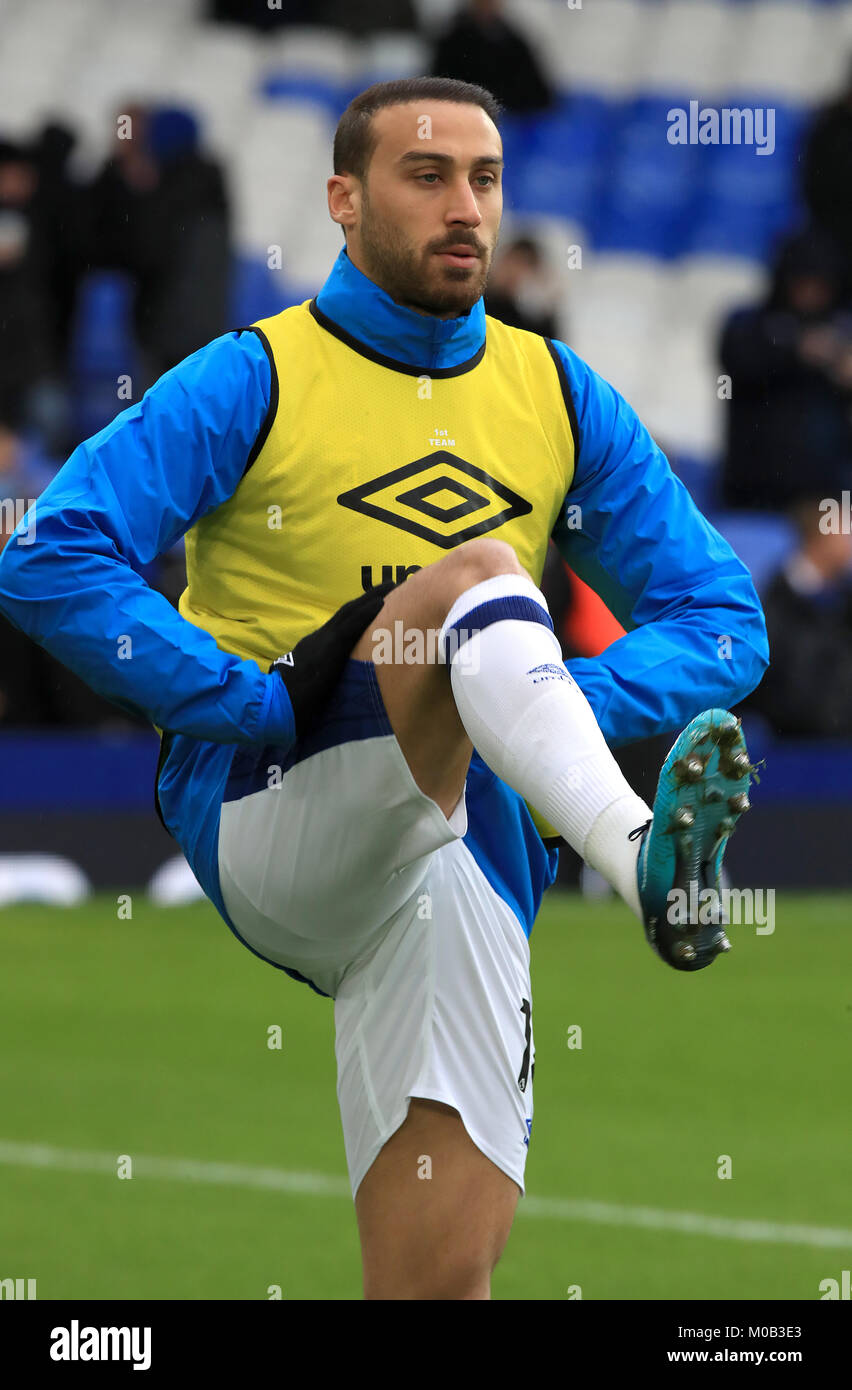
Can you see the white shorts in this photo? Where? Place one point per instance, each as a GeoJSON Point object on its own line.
{"type": "Point", "coordinates": [334, 865]}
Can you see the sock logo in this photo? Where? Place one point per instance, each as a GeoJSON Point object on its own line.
{"type": "Point", "coordinates": [549, 671]}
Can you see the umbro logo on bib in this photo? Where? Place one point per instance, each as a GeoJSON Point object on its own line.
{"type": "Point", "coordinates": [286, 660]}
{"type": "Point", "coordinates": [441, 498]}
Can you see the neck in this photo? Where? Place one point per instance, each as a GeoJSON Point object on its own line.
{"type": "Point", "coordinates": [398, 333]}
{"type": "Point", "coordinates": [356, 257]}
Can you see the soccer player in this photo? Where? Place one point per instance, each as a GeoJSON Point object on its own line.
{"type": "Point", "coordinates": [368, 483]}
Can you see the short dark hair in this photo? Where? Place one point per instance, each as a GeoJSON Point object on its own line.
{"type": "Point", "coordinates": [354, 140]}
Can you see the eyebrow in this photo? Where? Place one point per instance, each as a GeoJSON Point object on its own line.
{"type": "Point", "coordinates": [426, 157]}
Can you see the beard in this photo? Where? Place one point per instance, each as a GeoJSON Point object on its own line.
{"type": "Point", "coordinates": [417, 279]}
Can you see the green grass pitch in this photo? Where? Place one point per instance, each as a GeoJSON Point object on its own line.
{"type": "Point", "coordinates": [148, 1037]}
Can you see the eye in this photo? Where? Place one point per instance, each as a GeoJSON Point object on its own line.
{"type": "Point", "coordinates": [489, 179]}
{"type": "Point", "coordinates": [428, 176]}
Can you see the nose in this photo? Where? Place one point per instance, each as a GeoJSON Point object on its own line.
{"type": "Point", "coordinates": [462, 206]}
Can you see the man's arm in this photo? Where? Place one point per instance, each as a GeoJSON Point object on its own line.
{"type": "Point", "coordinates": [123, 497]}
{"type": "Point", "coordinates": [695, 631]}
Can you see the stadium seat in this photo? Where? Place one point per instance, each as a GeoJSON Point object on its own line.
{"type": "Point", "coordinates": [650, 189]}
{"type": "Point", "coordinates": [102, 349]}
{"type": "Point", "coordinates": [383, 57]}
{"type": "Point", "coordinates": [612, 308]}
{"type": "Point", "coordinates": [763, 542]}
{"type": "Point", "coordinates": [747, 198]}
{"type": "Point", "coordinates": [790, 52]}
{"type": "Point", "coordinates": [690, 36]}
{"type": "Point", "coordinates": [562, 169]}
{"type": "Point", "coordinates": [700, 476]}
{"type": "Point", "coordinates": [256, 292]}
{"type": "Point", "coordinates": [317, 65]}
{"type": "Point", "coordinates": [702, 290]}
{"type": "Point", "coordinates": [101, 336]}
{"type": "Point", "coordinates": [597, 48]}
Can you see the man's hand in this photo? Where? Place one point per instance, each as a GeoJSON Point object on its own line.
{"type": "Point", "coordinates": [313, 668]}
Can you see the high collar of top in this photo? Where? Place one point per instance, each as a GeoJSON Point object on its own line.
{"type": "Point", "coordinates": [366, 313]}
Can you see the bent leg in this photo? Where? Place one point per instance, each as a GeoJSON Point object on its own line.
{"type": "Point", "coordinates": [418, 697]}
{"type": "Point", "coordinates": [504, 690]}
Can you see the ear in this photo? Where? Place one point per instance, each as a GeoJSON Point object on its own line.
{"type": "Point", "coordinates": [343, 200]}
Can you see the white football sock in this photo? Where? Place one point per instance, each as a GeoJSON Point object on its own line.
{"type": "Point", "coordinates": [531, 723]}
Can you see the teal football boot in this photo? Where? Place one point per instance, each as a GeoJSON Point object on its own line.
{"type": "Point", "coordinates": [701, 793]}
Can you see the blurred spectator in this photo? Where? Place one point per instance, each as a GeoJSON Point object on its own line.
{"type": "Point", "coordinates": [517, 292]}
{"type": "Point", "coordinates": [159, 212]}
{"type": "Point", "coordinates": [807, 690]}
{"type": "Point", "coordinates": [59, 206]}
{"type": "Point", "coordinates": [25, 471]}
{"type": "Point", "coordinates": [790, 363]}
{"type": "Point", "coordinates": [32, 358]}
{"type": "Point", "coordinates": [827, 172]}
{"type": "Point", "coordinates": [25, 349]}
{"type": "Point", "coordinates": [34, 688]}
{"type": "Point", "coordinates": [482, 47]}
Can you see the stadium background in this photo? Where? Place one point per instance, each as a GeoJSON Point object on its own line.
{"type": "Point", "coordinates": [131, 1022]}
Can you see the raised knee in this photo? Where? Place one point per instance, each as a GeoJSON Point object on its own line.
{"type": "Point", "coordinates": [484, 557]}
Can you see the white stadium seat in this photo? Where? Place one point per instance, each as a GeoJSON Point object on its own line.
{"type": "Point", "coordinates": [325, 53]}
{"type": "Point", "coordinates": [693, 46]}
{"type": "Point", "coordinates": [383, 57]}
{"type": "Point", "coordinates": [785, 51]}
{"type": "Point", "coordinates": [597, 48]}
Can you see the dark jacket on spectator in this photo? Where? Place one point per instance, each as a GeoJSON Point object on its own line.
{"type": "Point", "coordinates": [827, 174]}
{"type": "Point", "coordinates": [807, 690]}
{"type": "Point", "coordinates": [496, 56]}
{"type": "Point", "coordinates": [789, 422]}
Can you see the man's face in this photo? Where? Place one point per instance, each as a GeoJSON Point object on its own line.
{"type": "Point", "coordinates": [425, 223]}
{"type": "Point", "coordinates": [810, 295]}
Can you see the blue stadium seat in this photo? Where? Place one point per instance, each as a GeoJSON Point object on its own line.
{"type": "Point", "coordinates": [762, 541]}
{"type": "Point", "coordinates": [700, 477]}
{"type": "Point", "coordinates": [102, 350]}
{"type": "Point", "coordinates": [562, 167]}
{"type": "Point", "coordinates": [748, 198]}
{"type": "Point", "coordinates": [651, 186]}
{"type": "Point", "coordinates": [101, 338]}
{"type": "Point", "coordinates": [299, 86]}
{"type": "Point", "coordinates": [255, 292]}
